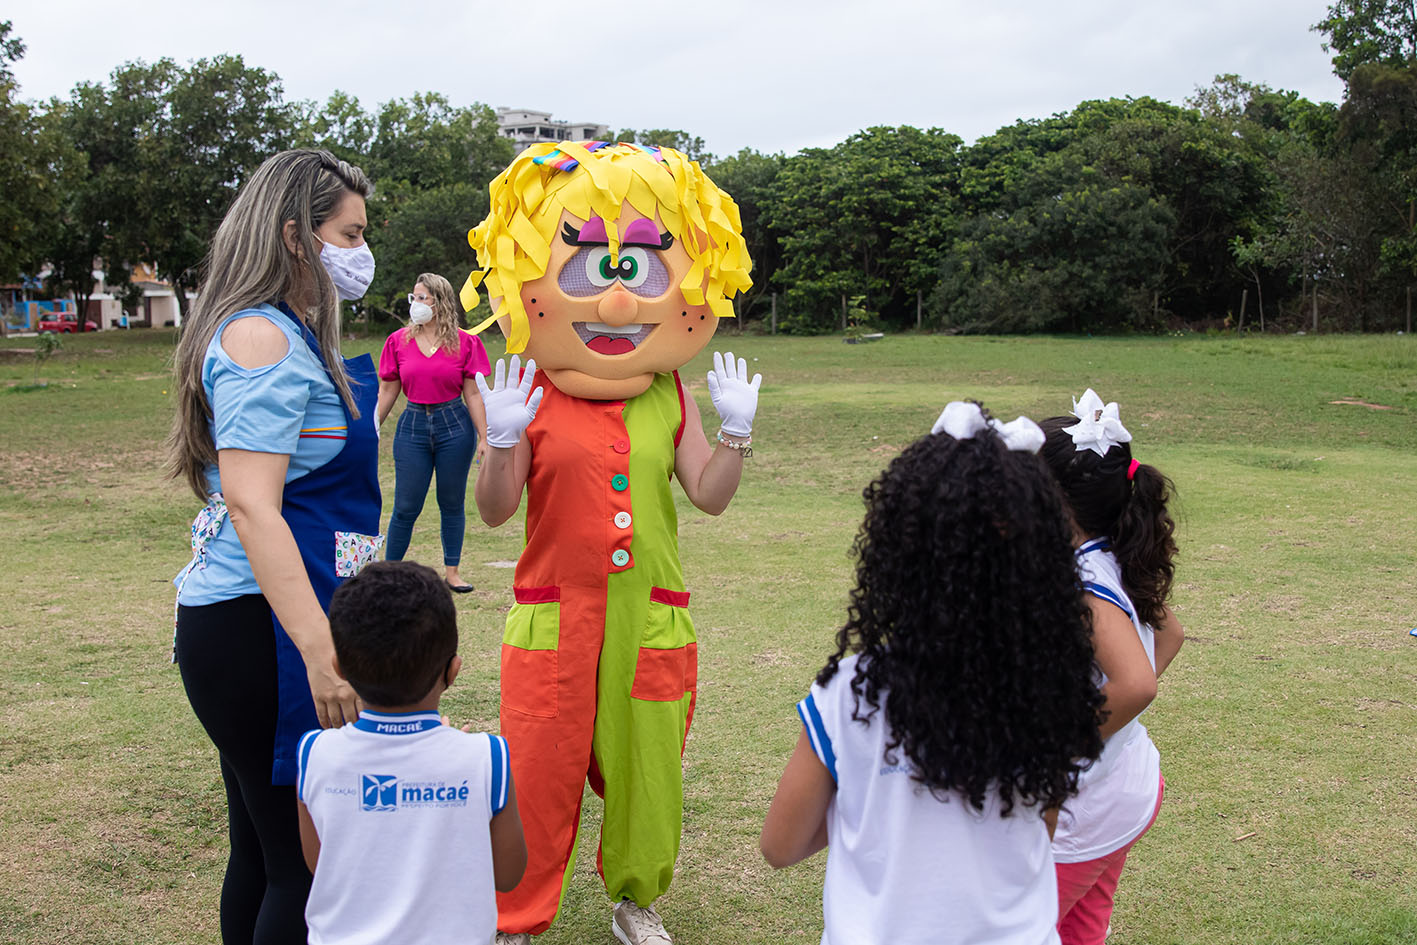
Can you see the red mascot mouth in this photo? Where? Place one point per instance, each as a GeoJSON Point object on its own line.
{"type": "Point", "coordinates": [610, 339]}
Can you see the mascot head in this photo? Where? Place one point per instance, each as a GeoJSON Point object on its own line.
{"type": "Point", "coordinates": [607, 263]}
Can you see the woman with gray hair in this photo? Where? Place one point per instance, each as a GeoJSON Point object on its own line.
{"type": "Point", "coordinates": [432, 362]}
{"type": "Point", "coordinates": [275, 433]}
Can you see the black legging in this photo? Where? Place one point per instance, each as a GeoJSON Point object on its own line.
{"type": "Point", "coordinates": [227, 656]}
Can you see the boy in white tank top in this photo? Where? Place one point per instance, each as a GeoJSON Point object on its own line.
{"type": "Point", "coordinates": [408, 824]}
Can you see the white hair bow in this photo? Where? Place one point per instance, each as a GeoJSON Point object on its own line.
{"type": "Point", "coordinates": [1098, 427]}
{"type": "Point", "coordinates": [963, 420]}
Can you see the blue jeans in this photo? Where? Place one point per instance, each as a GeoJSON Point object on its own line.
{"type": "Point", "coordinates": [431, 437]}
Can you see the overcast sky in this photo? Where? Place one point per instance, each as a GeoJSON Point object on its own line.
{"type": "Point", "coordinates": [770, 75]}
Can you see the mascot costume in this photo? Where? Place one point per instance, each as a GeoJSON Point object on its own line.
{"type": "Point", "coordinates": [609, 266]}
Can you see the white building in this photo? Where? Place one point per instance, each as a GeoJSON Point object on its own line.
{"type": "Point", "coordinates": [157, 308]}
{"type": "Point", "coordinates": [526, 127]}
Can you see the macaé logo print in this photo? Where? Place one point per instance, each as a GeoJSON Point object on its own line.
{"type": "Point", "coordinates": [379, 792]}
{"type": "Point", "coordinates": [384, 792]}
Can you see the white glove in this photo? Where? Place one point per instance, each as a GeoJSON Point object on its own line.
{"type": "Point", "coordinates": [509, 409]}
{"type": "Point", "coordinates": [735, 399]}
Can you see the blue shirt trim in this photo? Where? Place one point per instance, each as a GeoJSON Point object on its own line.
{"type": "Point", "coordinates": [817, 733]}
{"type": "Point", "coordinates": [1097, 544]}
{"type": "Point", "coordinates": [1109, 596]}
{"type": "Point", "coordinates": [302, 755]}
{"type": "Point", "coordinates": [500, 764]}
{"type": "Point", "coordinates": [397, 723]}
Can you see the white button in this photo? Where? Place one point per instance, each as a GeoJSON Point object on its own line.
{"type": "Point", "coordinates": [622, 520]}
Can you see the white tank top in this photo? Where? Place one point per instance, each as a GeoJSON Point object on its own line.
{"type": "Point", "coordinates": [1117, 794]}
{"type": "Point", "coordinates": [908, 868]}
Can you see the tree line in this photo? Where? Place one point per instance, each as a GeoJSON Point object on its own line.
{"type": "Point", "coordinates": [1245, 207]}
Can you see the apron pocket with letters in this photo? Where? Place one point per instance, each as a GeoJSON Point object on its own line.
{"type": "Point", "coordinates": [354, 552]}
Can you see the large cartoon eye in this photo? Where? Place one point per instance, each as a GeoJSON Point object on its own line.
{"type": "Point", "coordinates": [629, 268]}
{"type": "Point", "coordinates": [590, 272]}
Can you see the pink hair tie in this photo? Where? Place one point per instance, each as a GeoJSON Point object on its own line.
{"type": "Point", "coordinates": [1132, 470]}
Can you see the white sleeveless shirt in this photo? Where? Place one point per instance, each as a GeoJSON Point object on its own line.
{"type": "Point", "coordinates": [1117, 794]}
{"type": "Point", "coordinates": [402, 805]}
{"type": "Point", "coordinates": [904, 867]}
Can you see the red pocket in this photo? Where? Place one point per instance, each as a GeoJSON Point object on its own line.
{"type": "Point", "coordinates": [665, 675]}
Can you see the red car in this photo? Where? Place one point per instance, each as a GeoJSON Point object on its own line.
{"type": "Point", "coordinates": [65, 322]}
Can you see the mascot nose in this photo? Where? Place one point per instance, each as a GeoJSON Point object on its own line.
{"type": "Point", "coordinates": [618, 306]}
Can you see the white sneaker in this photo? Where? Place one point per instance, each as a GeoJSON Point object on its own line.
{"type": "Point", "coordinates": [513, 938]}
{"type": "Point", "coordinates": [636, 926]}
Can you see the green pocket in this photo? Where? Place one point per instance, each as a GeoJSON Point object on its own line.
{"type": "Point", "coordinates": [667, 625]}
{"type": "Point", "coordinates": [530, 667]}
{"type": "Point", "coordinates": [534, 622]}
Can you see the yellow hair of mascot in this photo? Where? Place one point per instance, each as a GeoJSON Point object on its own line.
{"type": "Point", "coordinates": [607, 263]}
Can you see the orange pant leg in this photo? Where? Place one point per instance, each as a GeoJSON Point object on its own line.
{"type": "Point", "coordinates": [548, 716]}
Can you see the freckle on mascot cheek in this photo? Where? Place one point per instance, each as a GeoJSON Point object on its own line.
{"type": "Point", "coordinates": [608, 267]}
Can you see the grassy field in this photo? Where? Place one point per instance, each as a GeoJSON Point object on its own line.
{"type": "Point", "coordinates": [1287, 726]}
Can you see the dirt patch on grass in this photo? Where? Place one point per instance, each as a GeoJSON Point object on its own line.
{"type": "Point", "coordinates": [1360, 403]}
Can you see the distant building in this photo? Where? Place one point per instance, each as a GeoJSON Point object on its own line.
{"type": "Point", "coordinates": [526, 127]}
{"type": "Point", "coordinates": [156, 307]}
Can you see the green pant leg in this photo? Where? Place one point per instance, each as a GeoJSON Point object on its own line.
{"type": "Point", "coordinates": [645, 689]}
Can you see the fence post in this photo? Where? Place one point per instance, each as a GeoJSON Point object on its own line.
{"type": "Point", "coordinates": [843, 311]}
{"type": "Point", "coordinates": [1244, 299]}
{"type": "Point", "coordinates": [774, 313]}
{"type": "Point", "coordinates": [919, 305]}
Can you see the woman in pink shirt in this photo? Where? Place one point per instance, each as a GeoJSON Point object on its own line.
{"type": "Point", "coordinates": [433, 362]}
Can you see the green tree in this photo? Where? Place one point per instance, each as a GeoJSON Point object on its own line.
{"type": "Point", "coordinates": [427, 233]}
{"type": "Point", "coordinates": [28, 196]}
{"type": "Point", "coordinates": [750, 179]}
{"type": "Point", "coordinates": [1118, 214]}
{"type": "Point", "coordinates": [1377, 127]}
{"type": "Point", "coordinates": [870, 217]}
{"type": "Point", "coordinates": [1364, 32]}
{"type": "Point", "coordinates": [167, 148]}
{"type": "Point", "coordinates": [12, 49]}
{"type": "Point", "coordinates": [340, 126]}
{"type": "Point", "coordinates": [425, 142]}
{"type": "Point", "coordinates": [73, 237]}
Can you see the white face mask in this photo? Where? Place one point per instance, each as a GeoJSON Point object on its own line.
{"type": "Point", "coordinates": [351, 269]}
{"type": "Point", "coordinates": [419, 313]}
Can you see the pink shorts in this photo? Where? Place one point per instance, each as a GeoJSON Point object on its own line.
{"type": "Point", "coordinates": [1085, 890]}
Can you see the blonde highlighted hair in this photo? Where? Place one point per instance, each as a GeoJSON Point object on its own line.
{"type": "Point", "coordinates": [587, 178]}
{"type": "Point", "coordinates": [447, 314]}
{"type": "Point", "coordinates": [249, 264]}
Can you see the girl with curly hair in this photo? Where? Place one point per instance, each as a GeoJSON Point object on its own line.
{"type": "Point", "coordinates": [959, 706]}
{"type": "Point", "coordinates": [1125, 552]}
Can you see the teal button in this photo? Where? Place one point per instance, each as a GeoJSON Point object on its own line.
{"type": "Point", "coordinates": [620, 557]}
{"type": "Point", "coordinates": [620, 483]}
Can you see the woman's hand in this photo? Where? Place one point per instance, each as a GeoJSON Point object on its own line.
{"type": "Point", "coordinates": [481, 453]}
{"type": "Point", "coordinates": [252, 484]}
{"type": "Point", "coordinates": [335, 700]}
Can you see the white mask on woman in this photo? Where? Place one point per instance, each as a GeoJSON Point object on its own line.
{"type": "Point", "coordinates": [351, 269]}
{"type": "Point", "coordinates": [419, 313]}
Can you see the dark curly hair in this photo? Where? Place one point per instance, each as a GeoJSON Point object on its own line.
{"type": "Point", "coordinates": [395, 630]}
{"type": "Point", "coordinates": [1132, 514]}
{"type": "Point", "coordinates": [971, 626]}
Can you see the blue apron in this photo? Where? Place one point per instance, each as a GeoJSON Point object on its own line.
{"type": "Point", "coordinates": [332, 511]}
